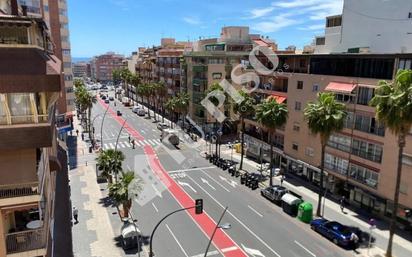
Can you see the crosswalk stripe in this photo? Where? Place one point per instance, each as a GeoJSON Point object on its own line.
{"type": "Point", "coordinates": [120, 145]}
{"type": "Point", "coordinates": [127, 144]}
{"type": "Point", "coordinates": [145, 142]}
{"type": "Point", "coordinates": [151, 142]}
{"type": "Point", "coordinates": [139, 143]}
{"type": "Point", "coordinates": [105, 146]}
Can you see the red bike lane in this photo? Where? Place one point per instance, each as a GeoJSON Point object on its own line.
{"type": "Point", "coordinates": [221, 240]}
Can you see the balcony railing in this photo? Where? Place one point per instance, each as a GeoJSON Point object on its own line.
{"type": "Point", "coordinates": [25, 241]}
{"type": "Point", "coordinates": [17, 190]}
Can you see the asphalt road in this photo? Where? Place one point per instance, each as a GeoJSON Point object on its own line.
{"type": "Point", "coordinates": [258, 227]}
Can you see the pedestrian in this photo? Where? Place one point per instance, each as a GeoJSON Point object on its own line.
{"type": "Point", "coordinates": [133, 143]}
{"type": "Point", "coordinates": [281, 180]}
{"type": "Point", "coordinates": [75, 215]}
{"type": "Point", "coordinates": [77, 132]}
{"type": "Point", "coordinates": [342, 203]}
{"type": "Point", "coordinates": [129, 138]}
{"type": "Point", "coordinates": [82, 136]}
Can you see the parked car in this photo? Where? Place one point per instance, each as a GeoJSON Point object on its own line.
{"type": "Point", "coordinates": [339, 234]}
{"type": "Point", "coordinates": [135, 108]}
{"type": "Point", "coordinates": [106, 101]}
{"type": "Point", "coordinates": [141, 112]}
{"type": "Point", "coordinates": [274, 193]}
{"type": "Point", "coordinates": [162, 126]}
{"type": "Point", "coordinates": [171, 135]}
{"type": "Point", "coordinates": [111, 98]}
{"type": "Point", "coordinates": [103, 97]}
{"type": "Point", "coordinates": [119, 113]}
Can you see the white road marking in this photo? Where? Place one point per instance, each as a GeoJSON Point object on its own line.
{"type": "Point", "coordinates": [306, 249]}
{"type": "Point", "coordinates": [237, 219]}
{"type": "Point", "coordinates": [157, 191]}
{"type": "Point", "coordinates": [145, 142]}
{"type": "Point", "coordinates": [139, 143]}
{"type": "Point", "coordinates": [211, 253]}
{"type": "Point", "coordinates": [105, 146]}
{"type": "Point", "coordinates": [229, 181]}
{"type": "Point", "coordinates": [127, 144]}
{"type": "Point", "coordinates": [154, 206]}
{"type": "Point", "coordinates": [253, 252]}
{"type": "Point", "coordinates": [229, 249]}
{"type": "Point", "coordinates": [121, 145]}
{"type": "Point", "coordinates": [193, 169]}
{"type": "Point", "coordinates": [217, 182]}
{"type": "Point", "coordinates": [207, 183]}
{"type": "Point", "coordinates": [151, 142]}
{"type": "Point", "coordinates": [255, 211]}
{"type": "Point", "coordinates": [178, 243]}
{"type": "Point", "coordinates": [111, 146]}
{"type": "Point", "coordinates": [187, 185]}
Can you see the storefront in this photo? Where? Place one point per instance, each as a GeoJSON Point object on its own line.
{"type": "Point", "coordinates": [256, 148]}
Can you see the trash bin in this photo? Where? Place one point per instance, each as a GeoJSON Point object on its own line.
{"type": "Point", "coordinates": [243, 178]}
{"type": "Point", "coordinates": [290, 204]}
{"type": "Point", "coordinates": [130, 235]}
{"type": "Point", "coordinates": [305, 212]}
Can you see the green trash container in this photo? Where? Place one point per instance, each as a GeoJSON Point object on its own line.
{"type": "Point", "coordinates": [305, 212]}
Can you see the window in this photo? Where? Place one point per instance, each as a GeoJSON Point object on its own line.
{"type": "Point", "coordinates": [64, 26]}
{"type": "Point", "coordinates": [315, 88]}
{"type": "Point", "coordinates": [65, 39]}
{"type": "Point", "coordinates": [365, 94]}
{"type": "Point", "coordinates": [367, 150]}
{"type": "Point", "coordinates": [298, 106]}
{"type": "Point", "coordinates": [67, 64]}
{"type": "Point", "coordinates": [364, 175]}
{"type": "Point", "coordinates": [366, 124]}
{"type": "Point", "coordinates": [66, 51]}
{"type": "Point", "coordinates": [217, 75]}
{"type": "Point", "coordinates": [68, 77]}
{"type": "Point", "coordinates": [403, 188]}
{"type": "Point", "coordinates": [300, 85]}
{"type": "Point", "coordinates": [333, 21]}
{"type": "Point", "coordinates": [320, 41]}
{"type": "Point", "coordinates": [336, 164]}
{"type": "Point", "coordinates": [405, 64]}
{"type": "Point", "coordinates": [344, 98]}
{"type": "Point", "coordinates": [69, 90]}
{"type": "Point", "coordinates": [407, 159]}
{"type": "Point", "coordinates": [296, 126]}
{"type": "Point", "coordinates": [46, 8]}
{"type": "Point", "coordinates": [295, 146]}
{"type": "Point", "coordinates": [340, 142]}
{"type": "Point", "coordinates": [302, 63]}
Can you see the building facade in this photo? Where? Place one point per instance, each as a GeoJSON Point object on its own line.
{"type": "Point", "coordinates": [80, 70]}
{"type": "Point", "coordinates": [30, 85]}
{"type": "Point", "coordinates": [102, 66]}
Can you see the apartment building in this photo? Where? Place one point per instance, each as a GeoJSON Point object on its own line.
{"type": "Point", "coordinates": [213, 60]}
{"type": "Point", "coordinates": [102, 66]}
{"type": "Point", "coordinates": [54, 13]}
{"type": "Point", "coordinates": [81, 70]}
{"type": "Point", "coordinates": [30, 80]}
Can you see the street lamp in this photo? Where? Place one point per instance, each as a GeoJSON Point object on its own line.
{"type": "Point", "coordinates": [223, 226]}
{"type": "Point", "coordinates": [219, 133]}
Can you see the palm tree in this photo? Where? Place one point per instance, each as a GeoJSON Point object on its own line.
{"type": "Point", "coordinates": [134, 80]}
{"type": "Point", "coordinates": [272, 115]}
{"type": "Point", "coordinates": [393, 102]}
{"type": "Point", "coordinates": [170, 106]}
{"type": "Point", "coordinates": [182, 104]}
{"type": "Point", "coordinates": [161, 91]}
{"type": "Point", "coordinates": [324, 117]}
{"type": "Point", "coordinates": [110, 161]}
{"type": "Point", "coordinates": [243, 109]}
{"type": "Point", "coordinates": [125, 190]}
{"type": "Point", "coordinates": [144, 90]}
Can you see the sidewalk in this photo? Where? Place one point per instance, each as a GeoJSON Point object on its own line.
{"type": "Point", "coordinates": [97, 232]}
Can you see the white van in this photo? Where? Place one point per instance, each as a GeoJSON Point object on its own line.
{"type": "Point", "coordinates": [141, 112]}
{"type": "Point", "coordinates": [135, 109]}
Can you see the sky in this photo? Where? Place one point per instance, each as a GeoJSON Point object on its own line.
{"type": "Point", "coordinates": [121, 26]}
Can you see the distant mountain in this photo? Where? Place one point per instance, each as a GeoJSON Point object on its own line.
{"type": "Point", "coordinates": [81, 59]}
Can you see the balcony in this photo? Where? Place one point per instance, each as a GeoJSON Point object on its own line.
{"type": "Point", "coordinates": [25, 241]}
{"type": "Point", "coordinates": [18, 190]}
{"type": "Point", "coordinates": [199, 68]}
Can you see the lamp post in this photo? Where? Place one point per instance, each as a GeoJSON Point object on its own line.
{"type": "Point", "coordinates": [101, 127]}
{"type": "Point", "coordinates": [223, 226]}
{"type": "Point", "coordinates": [219, 133]}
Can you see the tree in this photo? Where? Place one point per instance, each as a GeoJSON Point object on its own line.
{"type": "Point", "coordinates": [182, 104]}
{"type": "Point", "coordinates": [110, 162]}
{"type": "Point", "coordinates": [272, 115]}
{"type": "Point", "coordinates": [243, 109]}
{"type": "Point", "coordinates": [324, 117]}
{"type": "Point", "coordinates": [393, 102]}
{"type": "Point", "coordinates": [144, 90]}
{"type": "Point", "coordinates": [161, 92]}
{"type": "Point", "coordinates": [84, 101]}
{"type": "Point", "coordinates": [170, 106]}
{"type": "Point", "coordinates": [116, 76]}
{"type": "Point", "coordinates": [125, 190]}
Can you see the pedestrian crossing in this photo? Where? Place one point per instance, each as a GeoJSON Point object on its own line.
{"type": "Point", "coordinates": [126, 144]}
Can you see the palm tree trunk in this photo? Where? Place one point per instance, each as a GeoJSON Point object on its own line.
{"type": "Point", "coordinates": [242, 141]}
{"type": "Point", "coordinates": [392, 227]}
{"type": "Point", "coordinates": [320, 193]}
{"type": "Point", "coordinates": [148, 109]}
{"type": "Point", "coordinates": [271, 160]}
{"type": "Point", "coordinates": [89, 116]}
{"type": "Point", "coordinates": [163, 113]}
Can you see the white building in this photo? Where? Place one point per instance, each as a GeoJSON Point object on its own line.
{"type": "Point", "coordinates": [375, 26]}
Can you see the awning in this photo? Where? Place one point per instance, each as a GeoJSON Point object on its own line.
{"type": "Point", "coordinates": [279, 98]}
{"type": "Point", "coordinates": [341, 87]}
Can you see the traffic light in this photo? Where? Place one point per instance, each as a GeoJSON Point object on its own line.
{"type": "Point", "coordinates": [199, 206]}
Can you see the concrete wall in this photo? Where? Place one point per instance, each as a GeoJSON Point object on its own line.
{"type": "Point", "coordinates": [18, 166]}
